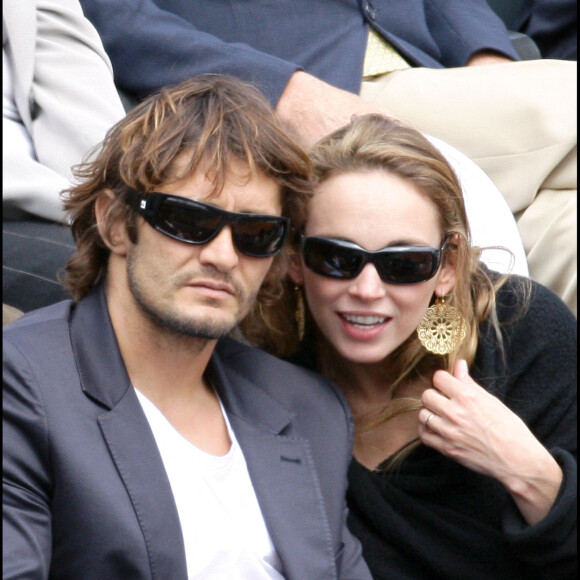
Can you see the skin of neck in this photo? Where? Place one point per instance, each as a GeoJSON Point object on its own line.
{"type": "Point", "coordinates": [159, 362]}
{"type": "Point", "coordinates": [366, 386]}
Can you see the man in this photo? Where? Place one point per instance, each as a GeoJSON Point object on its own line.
{"type": "Point", "coordinates": [315, 62]}
{"type": "Point", "coordinates": [59, 101]}
{"type": "Point", "coordinates": [139, 440]}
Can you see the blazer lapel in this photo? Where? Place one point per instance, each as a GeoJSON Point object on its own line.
{"type": "Point", "coordinates": [280, 464]}
{"type": "Point", "coordinates": [128, 435]}
{"type": "Point", "coordinates": [134, 451]}
{"type": "Point", "coordinates": [283, 474]}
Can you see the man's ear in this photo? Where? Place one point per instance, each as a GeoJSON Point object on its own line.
{"type": "Point", "coordinates": [295, 272]}
{"type": "Point", "coordinates": [112, 232]}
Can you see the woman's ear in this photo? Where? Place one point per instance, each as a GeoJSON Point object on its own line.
{"type": "Point", "coordinates": [446, 280]}
{"type": "Point", "coordinates": [113, 234]}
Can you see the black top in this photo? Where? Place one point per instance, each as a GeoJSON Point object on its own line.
{"type": "Point", "coordinates": [433, 518]}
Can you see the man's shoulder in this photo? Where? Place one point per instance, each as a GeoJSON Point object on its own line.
{"type": "Point", "coordinates": [274, 374]}
{"type": "Point", "coordinates": [253, 360]}
{"type": "Point", "coordinates": [269, 390]}
{"type": "Point", "coordinates": [48, 314]}
{"type": "Point", "coordinates": [37, 351]}
{"type": "Point", "coordinates": [39, 327]}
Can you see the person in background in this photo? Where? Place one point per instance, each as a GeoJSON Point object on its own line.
{"type": "Point", "coordinates": [59, 101]}
{"type": "Point", "coordinates": [462, 381]}
{"type": "Point", "coordinates": [552, 24]}
{"type": "Point", "coordinates": [140, 440]}
{"type": "Point", "coordinates": [321, 62]}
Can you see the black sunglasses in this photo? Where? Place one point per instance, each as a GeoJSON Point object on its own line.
{"type": "Point", "coordinates": [395, 265]}
{"type": "Point", "coordinates": [194, 222]}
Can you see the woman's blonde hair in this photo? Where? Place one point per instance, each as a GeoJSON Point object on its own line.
{"type": "Point", "coordinates": [373, 142]}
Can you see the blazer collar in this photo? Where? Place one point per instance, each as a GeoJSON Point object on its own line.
{"type": "Point", "coordinates": [279, 463]}
{"type": "Point", "coordinates": [104, 377]}
{"type": "Point", "coordinates": [127, 434]}
{"type": "Point", "coordinates": [241, 395]}
{"type": "Point", "coordinates": [101, 368]}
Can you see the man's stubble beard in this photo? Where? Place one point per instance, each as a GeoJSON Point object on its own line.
{"type": "Point", "coordinates": [176, 324]}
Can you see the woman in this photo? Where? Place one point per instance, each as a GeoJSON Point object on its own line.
{"type": "Point", "coordinates": [462, 382]}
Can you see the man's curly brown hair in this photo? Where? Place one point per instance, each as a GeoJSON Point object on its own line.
{"type": "Point", "coordinates": [208, 120]}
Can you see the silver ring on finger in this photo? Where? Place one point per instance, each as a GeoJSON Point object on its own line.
{"type": "Point", "coordinates": [429, 419]}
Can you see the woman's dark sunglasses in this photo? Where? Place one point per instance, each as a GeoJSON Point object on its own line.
{"type": "Point", "coordinates": [194, 222]}
{"type": "Point", "coordinates": [395, 265]}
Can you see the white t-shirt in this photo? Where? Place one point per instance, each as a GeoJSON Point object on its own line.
{"type": "Point", "coordinates": [223, 528]}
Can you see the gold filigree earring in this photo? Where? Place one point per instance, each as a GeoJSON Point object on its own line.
{"type": "Point", "coordinates": [442, 329]}
{"type": "Point", "coordinates": [300, 312]}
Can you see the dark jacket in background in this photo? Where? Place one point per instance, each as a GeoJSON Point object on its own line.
{"type": "Point", "coordinates": [153, 43]}
{"type": "Point", "coordinates": [552, 24]}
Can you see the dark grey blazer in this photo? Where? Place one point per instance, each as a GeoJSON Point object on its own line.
{"type": "Point", "coordinates": [85, 491]}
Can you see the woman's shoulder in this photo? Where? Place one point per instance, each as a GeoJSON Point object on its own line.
{"type": "Point", "coordinates": [532, 365]}
{"type": "Point", "coordinates": [523, 302]}
{"type": "Point", "coordinates": [536, 330]}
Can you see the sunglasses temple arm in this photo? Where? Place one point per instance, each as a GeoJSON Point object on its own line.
{"type": "Point", "coordinates": [143, 204]}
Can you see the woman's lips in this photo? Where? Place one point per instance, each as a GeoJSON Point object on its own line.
{"type": "Point", "coordinates": [363, 326]}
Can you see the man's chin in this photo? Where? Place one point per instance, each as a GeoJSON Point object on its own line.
{"type": "Point", "coordinates": [199, 328]}
{"type": "Point", "coordinates": [184, 324]}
